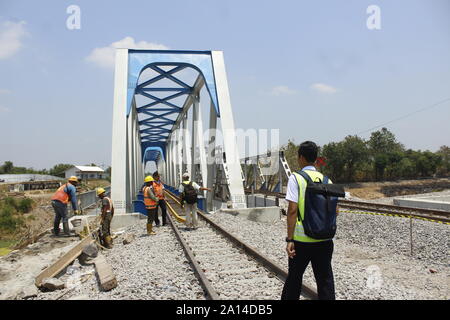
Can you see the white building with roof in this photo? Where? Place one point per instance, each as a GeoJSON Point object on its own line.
{"type": "Point", "coordinates": [86, 172]}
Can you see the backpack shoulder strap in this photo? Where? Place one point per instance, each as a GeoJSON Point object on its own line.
{"type": "Point", "coordinates": [305, 176]}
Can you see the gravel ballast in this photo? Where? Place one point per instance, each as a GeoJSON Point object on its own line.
{"type": "Point", "coordinates": [150, 267]}
{"type": "Point", "coordinates": [371, 254]}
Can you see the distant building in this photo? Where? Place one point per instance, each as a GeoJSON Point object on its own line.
{"type": "Point", "coordinates": [86, 172]}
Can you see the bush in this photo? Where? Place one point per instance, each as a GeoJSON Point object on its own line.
{"type": "Point", "coordinates": [10, 202]}
{"type": "Point", "coordinates": [9, 222]}
{"type": "Point", "coordinates": [24, 205]}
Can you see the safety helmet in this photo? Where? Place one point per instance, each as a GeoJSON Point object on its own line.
{"type": "Point", "coordinates": [100, 191]}
{"type": "Point", "coordinates": [149, 179]}
{"type": "Point", "coordinates": [186, 175]}
{"type": "Point", "coordinates": [73, 179]}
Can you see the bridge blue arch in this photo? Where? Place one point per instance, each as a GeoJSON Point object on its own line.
{"type": "Point", "coordinates": [161, 113]}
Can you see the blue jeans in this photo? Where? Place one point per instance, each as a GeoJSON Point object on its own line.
{"type": "Point", "coordinates": [60, 213]}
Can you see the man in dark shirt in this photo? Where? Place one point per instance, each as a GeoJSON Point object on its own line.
{"type": "Point", "coordinates": [107, 215]}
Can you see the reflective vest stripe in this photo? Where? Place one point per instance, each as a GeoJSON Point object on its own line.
{"type": "Point", "coordinates": [149, 202]}
{"type": "Point", "coordinates": [110, 204]}
{"type": "Point", "coordinates": [299, 233]}
{"type": "Point", "coordinates": [158, 188]}
{"type": "Point", "coordinates": [61, 195]}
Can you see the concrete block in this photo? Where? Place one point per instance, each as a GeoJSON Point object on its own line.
{"type": "Point", "coordinates": [260, 201]}
{"type": "Point", "coordinates": [122, 220]}
{"type": "Point", "coordinates": [261, 214]}
{"type": "Point", "coordinates": [128, 238]}
{"type": "Point", "coordinates": [105, 274]}
{"type": "Point", "coordinates": [422, 203]}
{"type": "Point", "coordinates": [53, 284]}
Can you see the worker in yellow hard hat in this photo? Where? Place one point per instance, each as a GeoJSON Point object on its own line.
{"type": "Point", "coordinates": [62, 196]}
{"type": "Point", "coordinates": [106, 218]}
{"type": "Point", "coordinates": [151, 203]}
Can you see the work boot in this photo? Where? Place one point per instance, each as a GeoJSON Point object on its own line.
{"type": "Point", "coordinates": [66, 229]}
{"type": "Point", "coordinates": [150, 230]}
{"type": "Point", "coordinates": [108, 242]}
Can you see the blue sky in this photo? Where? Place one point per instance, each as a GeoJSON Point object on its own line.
{"type": "Point", "coordinates": [311, 68]}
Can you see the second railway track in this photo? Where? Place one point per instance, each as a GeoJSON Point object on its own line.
{"type": "Point", "coordinates": [226, 267]}
{"type": "Point", "coordinates": [410, 212]}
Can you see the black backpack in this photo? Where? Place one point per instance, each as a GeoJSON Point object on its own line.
{"type": "Point", "coordinates": [190, 195]}
{"type": "Point", "coordinates": [321, 198]}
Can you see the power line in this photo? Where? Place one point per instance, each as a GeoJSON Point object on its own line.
{"type": "Point", "coordinates": [405, 116]}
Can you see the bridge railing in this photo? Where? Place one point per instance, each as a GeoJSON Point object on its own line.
{"type": "Point", "coordinates": [89, 199]}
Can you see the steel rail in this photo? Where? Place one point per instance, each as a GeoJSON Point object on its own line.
{"type": "Point", "coordinates": [204, 282]}
{"type": "Point", "coordinates": [420, 213]}
{"type": "Point", "coordinates": [269, 264]}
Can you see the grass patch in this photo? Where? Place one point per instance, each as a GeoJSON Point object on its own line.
{"type": "Point", "coordinates": [4, 251]}
{"type": "Point", "coordinates": [6, 246]}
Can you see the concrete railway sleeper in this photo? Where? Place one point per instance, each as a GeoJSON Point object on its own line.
{"type": "Point", "coordinates": [229, 268]}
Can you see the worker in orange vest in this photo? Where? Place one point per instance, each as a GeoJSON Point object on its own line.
{"type": "Point", "coordinates": [151, 203]}
{"type": "Point", "coordinates": [158, 188]}
{"type": "Point", "coordinates": [62, 196]}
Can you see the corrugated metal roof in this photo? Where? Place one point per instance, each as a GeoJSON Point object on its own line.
{"type": "Point", "coordinates": [12, 178]}
{"type": "Point", "coordinates": [89, 169]}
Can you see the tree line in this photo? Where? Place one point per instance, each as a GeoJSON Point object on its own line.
{"type": "Point", "coordinates": [379, 158]}
{"type": "Point", "coordinates": [57, 170]}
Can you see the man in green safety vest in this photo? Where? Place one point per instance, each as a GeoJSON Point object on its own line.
{"type": "Point", "coordinates": [301, 248]}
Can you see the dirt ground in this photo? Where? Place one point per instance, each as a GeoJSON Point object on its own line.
{"type": "Point", "coordinates": [375, 190]}
{"type": "Point", "coordinates": [41, 217]}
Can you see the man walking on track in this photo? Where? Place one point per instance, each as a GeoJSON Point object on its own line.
{"type": "Point", "coordinates": [65, 193]}
{"type": "Point", "coordinates": [107, 215]}
{"type": "Point", "coordinates": [310, 242]}
{"type": "Point", "coordinates": [158, 188]}
{"type": "Point", "coordinates": [188, 190]}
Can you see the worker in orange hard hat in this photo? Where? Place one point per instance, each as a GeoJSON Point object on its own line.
{"type": "Point", "coordinates": [62, 196]}
{"type": "Point", "coordinates": [107, 215]}
{"type": "Point", "coordinates": [151, 203]}
{"type": "Point", "coordinates": [158, 188]}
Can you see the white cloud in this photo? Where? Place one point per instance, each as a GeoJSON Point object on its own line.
{"type": "Point", "coordinates": [105, 56]}
{"type": "Point", "coordinates": [11, 36]}
{"type": "Point", "coordinates": [5, 91]}
{"type": "Point", "coordinates": [323, 88]}
{"type": "Point", "coordinates": [282, 91]}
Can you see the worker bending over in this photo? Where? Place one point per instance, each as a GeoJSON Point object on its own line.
{"type": "Point", "coordinates": [151, 203]}
{"type": "Point", "coordinates": [106, 217]}
{"type": "Point", "coordinates": [158, 188]}
{"type": "Point", "coordinates": [188, 190]}
{"type": "Point", "coordinates": [62, 196]}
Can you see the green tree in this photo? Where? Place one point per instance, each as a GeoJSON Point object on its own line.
{"type": "Point", "coordinates": [291, 155]}
{"type": "Point", "coordinates": [7, 167]}
{"type": "Point", "coordinates": [384, 150]}
{"type": "Point", "coordinates": [444, 167]}
{"type": "Point", "coordinates": [59, 169]}
{"type": "Point", "coordinates": [335, 162]}
{"type": "Point", "coordinates": [355, 152]}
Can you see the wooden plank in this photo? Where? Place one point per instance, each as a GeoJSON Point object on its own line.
{"type": "Point", "coordinates": [63, 262]}
{"type": "Point", "coordinates": [105, 273]}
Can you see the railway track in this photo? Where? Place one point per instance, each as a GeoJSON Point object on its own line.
{"type": "Point", "coordinates": [409, 212]}
{"type": "Point", "coordinates": [226, 267]}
